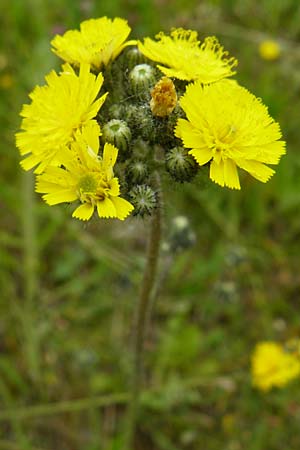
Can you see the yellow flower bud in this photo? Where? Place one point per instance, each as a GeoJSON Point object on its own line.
{"type": "Point", "coordinates": [164, 98]}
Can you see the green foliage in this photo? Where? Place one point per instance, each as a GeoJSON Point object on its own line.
{"type": "Point", "coordinates": [179, 346]}
{"type": "Point", "coordinates": [68, 290]}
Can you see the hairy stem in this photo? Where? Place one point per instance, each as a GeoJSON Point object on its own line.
{"type": "Point", "coordinates": [141, 320]}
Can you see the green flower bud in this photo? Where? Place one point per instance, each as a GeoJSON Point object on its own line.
{"type": "Point", "coordinates": [141, 121]}
{"type": "Point", "coordinates": [116, 111]}
{"type": "Point", "coordinates": [137, 172]}
{"type": "Point", "coordinates": [142, 79]}
{"type": "Point", "coordinates": [141, 149]}
{"type": "Point", "coordinates": [165, 126]}
{"type": "Point", "coordinates": [181, 236]}
{"type": "Point", "coordinates": [133, 57]}
{"type": "Point", "coordinates": [118, 133]}
{"type": "Point", "coordinates": [144, 200]}
{"type": "Point", "coordinates": [172, 120]}
{"type": "Point", "coordinates": [181, 166]}
{"type": "Point", "coordinates": [113, 82]}
{"type": "Point", "coordinates": [161, 129]}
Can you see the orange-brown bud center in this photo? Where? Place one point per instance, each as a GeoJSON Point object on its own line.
{"type": "Point", "coordinates": [164, 97]}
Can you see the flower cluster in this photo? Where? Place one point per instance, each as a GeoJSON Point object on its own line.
{"type": "Point", "coordinates": [275, 365]}
{"type": "Point", "coordinates": [120, 110]}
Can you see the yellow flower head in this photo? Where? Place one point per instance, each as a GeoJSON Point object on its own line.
{"type": "Point", "coordinates": [272, 366]}
{"type": "Point", "coordinates": [87, 178]}
{"type": "Point", "coordinates": [182, 56]}
{"type": "Point", "coordinates": [67, 103]}
{"type": "Point", "coordinates": [98, 42]}
{"type": "Point", "coordinates": [269, 50]}
{"type": "Point", "coordinates": [227, 126]}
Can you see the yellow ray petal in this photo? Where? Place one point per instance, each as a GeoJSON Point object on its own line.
{"type": "Point", "coordinates": [217, 172]}
{"type": "Point", "coordinates": [256, 169]}
{"type": "Point", "coordinates": [63, 196]}
{"type": "Point", "coordinates": [114, 187]}
{"type": "Point", "coordinates": [123, 207]}
{"type": "Point", "coordinates": [201, 156]}
{"type": "Point", "coordinates": [29, 162]}
{"type": "Point", "coordinates": [106, 208]}
{"type": "Point", "coordinates": [110, 154]}
{"type": "Point", "coordinates": [192, 138]}
{"type": "Point", "coordinates": [84, 212]}
{"type": "Point", "coordinates": [181, 74]}
{"type": "Point", "coordinates": [231, 177]}
{"type": "Point", "coordinates": [90, 134]}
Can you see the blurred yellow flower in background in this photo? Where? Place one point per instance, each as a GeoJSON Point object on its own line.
{"type": "Point", "coordinates": [229, 127]}
{"type": "Point", "coordinates": [269, 50]}
{"type": "Point", "coordinates": [273, 366]}
{"type": "Point", "coordinates": [6, 81]}
{"type": "Point", "coordinates": [182, 56]}
{"type": "Point", "coordinates": [67, 103]}
{"type": "Point", "coordinates": [87, 178]}
{"type": "Point", "coordinates": [98, 42]}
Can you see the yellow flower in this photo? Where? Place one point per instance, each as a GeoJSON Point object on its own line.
{"type": "Point", "coordinates": [269, 50]}
{"type": "Point", "coordinates": [6, 81]}
{"type": "Point", "coordinates": [227, 127]}
{"type": "Point", "coordinates": [98, 42]}
{"type": "Point", "coordinates": [272, 366]}
{"type": "Point", "coordinates": [86, 177]}
{"type": "Point", "coordinates": [182, 56]}
{"type": "Point", "coordinates": [67, 103]}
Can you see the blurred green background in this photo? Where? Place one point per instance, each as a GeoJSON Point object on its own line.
{"type": "Point", "coordinates": [68, 289]}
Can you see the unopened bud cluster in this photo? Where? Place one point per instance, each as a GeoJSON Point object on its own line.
{"type": "Point", "coordinates": [138, 117]}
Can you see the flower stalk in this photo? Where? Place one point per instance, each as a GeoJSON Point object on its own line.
{"type": "Point", "coordinates": [142, 319]}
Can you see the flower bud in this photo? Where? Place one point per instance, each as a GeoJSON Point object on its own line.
{"type": "Point", "coordinates": [133, 57]}
{"type": "Point", "coordinates": [136, 172]}
{"type": "Point", "coordinates": [140, 120]}
{"type": "Point", "coordinates": [141, 149]}
{"type": "Point", "coordinates": [144, 200]}
{"type": "Point", "coordinates": [181, 166]}
{"type": "Point", "coordinates": [116, 111]}
{"type": "Point", "coordinates": [142, 78]}
{"type": "Point", "coordinates": [113, 82]}
{"type": "Point", "coordinates": [181, 235]}
{"type": "Point", "coordinates": [118, 133]}
{"type": "Point", "coordinates": [164, 128]}
{"type": "Point", "coordinates": [164, 97]}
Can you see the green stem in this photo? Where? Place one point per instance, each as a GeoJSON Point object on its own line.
{"type": "Point", "coordinates": [141, 319]}
{"type": "Point", "coordinates": [23, 413]}
{"type": "Point", "coordinates": [67, 406]}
